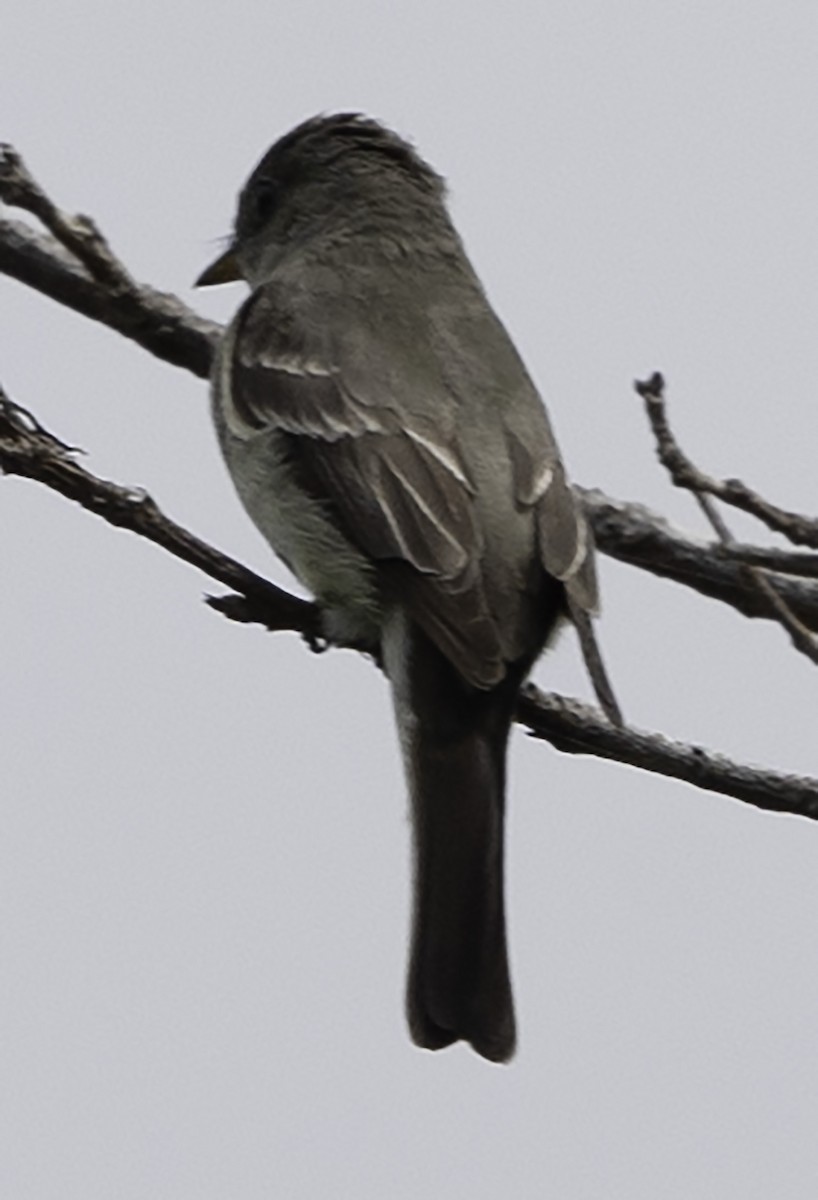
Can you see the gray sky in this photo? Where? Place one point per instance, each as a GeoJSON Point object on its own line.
{"type": "Point", "coordinates": [204, 852]}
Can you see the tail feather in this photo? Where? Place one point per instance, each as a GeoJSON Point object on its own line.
{"type": "Point", "coordinates": [454, 741]}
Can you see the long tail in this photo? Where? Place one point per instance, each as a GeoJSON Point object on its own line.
{"type": "Point", "coordinates": [454, 740]}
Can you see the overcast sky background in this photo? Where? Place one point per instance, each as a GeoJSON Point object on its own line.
{"type": "Point", "coordinates": [204, 852]}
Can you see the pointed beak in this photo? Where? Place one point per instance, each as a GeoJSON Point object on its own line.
{"type": "Point", "coordinates": [224, 270]}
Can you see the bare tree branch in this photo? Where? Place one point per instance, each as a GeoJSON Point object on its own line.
{"type": "Point", "coordinates": [79, 234]}
{"type": "Point", "coordinates": [634, 534]}
{"type": "Point", "coordinates": [29, 450]}
{"type": "Point", "coordinates": [786, 562]}
{"type": "Point", "coordinates": [157, 321]}
{"type": "Point", "coordinates": [75, 266]}
{"type": "Point", "coordinates": [575, 728]}
{"type": "Point", "coordinates": [801, 530]}
{"type": "Point", "coordinates": [685, 474]}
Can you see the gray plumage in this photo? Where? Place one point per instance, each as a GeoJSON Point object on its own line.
{"type": "Point", "coordinates": [385, 437]}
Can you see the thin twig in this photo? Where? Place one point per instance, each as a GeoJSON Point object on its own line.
{"type": "Point", "coordinates": [685, 474]}
{"type": "Point", "coordinates": [78, 234]}
{"type": "Point", "coordinates": [801, 530]}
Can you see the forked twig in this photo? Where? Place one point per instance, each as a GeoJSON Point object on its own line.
{"type": "Point", "coordinates": [78, 234]}
{"type": "Point", "coordinates": [686, 475]}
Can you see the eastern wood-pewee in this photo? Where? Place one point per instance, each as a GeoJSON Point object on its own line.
{"type": "Point", "coordinates": [386, 439]}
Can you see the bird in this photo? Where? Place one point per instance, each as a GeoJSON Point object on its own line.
{"type": "Point", "coordinates": [385, 437]}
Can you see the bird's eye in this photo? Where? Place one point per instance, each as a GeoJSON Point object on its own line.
{"type": "Point", "coordinates": [263, 201]}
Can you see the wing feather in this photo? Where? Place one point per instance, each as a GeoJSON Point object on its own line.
{"type": "Point", "coordinates": [377, 430]}
{"type": "Point", "coordinates": [399, 487]}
